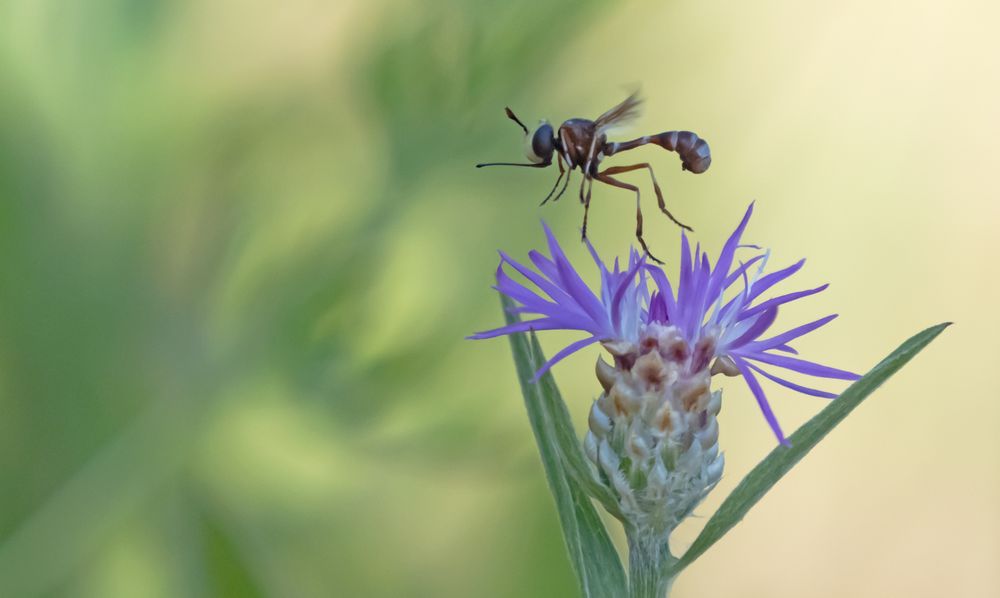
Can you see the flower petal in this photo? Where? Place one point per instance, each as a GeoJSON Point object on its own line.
{"type": "Point", "coordinates": [540, 324]}
{"type": "Point", "coordinates": [774, 278]}
{"type": "Point", "coordinates": [803, 389]}
{"type": "Point", "coordinates": [762, 323]}
{"type": "Point", "coordinates": [777, 341]}
{"type": "Point", "coordinates": [666, 291]}
{"type": "Point", "coordinates": [758, 393]}
{"type": "Point", "coordinates": [780, 300]}
{"type": "Point", "coordinates": [800, 365]}
{"type": "Point", "coordinates": [744, 266]}
{"type": "Point", "coordinates": [549, 287]}
{"type": "Point", "coordinates": [572, 283]}
{"type": "Point", "coordinates": [727, 255]}
{"type": "Point", "coordinates": [566, 352]}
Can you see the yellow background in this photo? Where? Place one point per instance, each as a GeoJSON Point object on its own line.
{"type": "Point", "coordinates": [241, 243]}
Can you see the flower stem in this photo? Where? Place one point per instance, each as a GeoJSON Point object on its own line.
{"type": "Point", "coordinates": [649, 561]}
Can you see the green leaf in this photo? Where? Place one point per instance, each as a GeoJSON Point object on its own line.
{"type": "Point", "coordinates": [573, 457]}
{"type": "Point", "coordinates": [592, 554]}
{"type": "Point", "coordinates": [767, 473]}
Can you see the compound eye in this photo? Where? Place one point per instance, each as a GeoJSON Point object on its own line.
{"type": "Point", "coordinates": [542, 144]}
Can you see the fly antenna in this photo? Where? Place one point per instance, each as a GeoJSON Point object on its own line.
{"type": "Point", "coordinates": [513, 117]}
{"type": "Point", "coordinates": [532, 165]}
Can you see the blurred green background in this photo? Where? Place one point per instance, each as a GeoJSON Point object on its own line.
{"type": "Point", "coordinates": [241, 243]}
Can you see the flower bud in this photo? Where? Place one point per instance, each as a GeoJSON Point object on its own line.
{"type": "Point", "coordinates": [654, 435]}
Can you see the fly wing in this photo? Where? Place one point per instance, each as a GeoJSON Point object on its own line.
{"type": "Point", "coordinates": [620, 115]}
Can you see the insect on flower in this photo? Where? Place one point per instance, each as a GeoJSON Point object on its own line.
{"type": "Point", "coordinates": [715, 322]}
{"type": "Point", "coordinates": [581, 143]}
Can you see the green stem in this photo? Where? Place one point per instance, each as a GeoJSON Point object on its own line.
{"type": "Point", "coordinates": [649, 562]}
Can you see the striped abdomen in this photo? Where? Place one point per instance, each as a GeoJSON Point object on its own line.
{"type": "Point", "coordinates": [693, 150]}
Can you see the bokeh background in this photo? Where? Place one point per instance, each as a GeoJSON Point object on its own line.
{"type": "Point", "coordinates": [241, 243]}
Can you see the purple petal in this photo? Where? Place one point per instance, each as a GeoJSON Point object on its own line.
{"type": "Point", "coordinates": [544, 264]}
{"type": "Point", "coordinates": [597, 258]}
{"type": "Point", "coordinates": [758, 393]}
{"type": "Point", "coordinates": [727, 255]}
{"type": "Point", "coordinates": [616, 301]}
{"type": "Point", "coordinates": [803, 389]}
{"type": "Point", "coordinates": [774, 278]}
{"type": "Point", "coordinates": [739, 271]}
{"type": "Point", "coordinates": [657, 309]}
{"type": "Point", "coordinates": [756, 329]}
{"type": "Point", "coordinates": [780, 300]}
{"type": "Point", "coordinates": [666, 292]}
{"type": "Point", "coordinates": [566, 352]}
{"type": "Point", "coordinates": [697, 306]}
{"type": "Point", "coordinates": [550, 289]}
{"type": "Point", "coordinates": [574, 285]}
{"type": "Point", "coordinates": [686, 272]}
{"type": "Point", "coordinates": [783, 338]}
{"type": "Point", "coordinates": [739, 301]}
{"type": "Point", "coordinates": [800, 365]}
{"type": "Point", "coordinates": [515, 290]}
{"type": "Point", "coordinates": [540, 324]}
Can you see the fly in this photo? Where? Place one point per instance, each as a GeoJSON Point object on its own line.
{"type": "Point", "coordinates": [581, 143]}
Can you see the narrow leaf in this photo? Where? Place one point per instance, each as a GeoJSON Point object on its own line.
{"type": "Point", "coordinates": [574, 459]}
{"type": "Point", "coordinates": [767, 473]}
{"type": "Point", "coordinates": [593, 556]}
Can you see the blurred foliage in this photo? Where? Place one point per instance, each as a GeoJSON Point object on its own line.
{"type": "Point", "coordinates": [241, 243]}
{"type": "Point", "coordinates": [183, 228]}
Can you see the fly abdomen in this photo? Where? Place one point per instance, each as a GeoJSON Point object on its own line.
{"type": "Point", "coordinates": [693, 150]}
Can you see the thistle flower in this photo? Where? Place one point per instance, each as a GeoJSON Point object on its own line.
{"type": "Point", "coordinates": [625, 313]}
{"type": "Point", "coordinates": [653, 435]}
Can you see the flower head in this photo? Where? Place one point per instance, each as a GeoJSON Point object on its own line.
{"type": "Point", "coordinates": [719, 312]}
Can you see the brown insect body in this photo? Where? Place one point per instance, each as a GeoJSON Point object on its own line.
{"type": "Point", "coordinates": [577, 139]}
{"type": "Point", "coordinates": [581, 143]}
{"type": "Point", "coordinates": [693, 150]}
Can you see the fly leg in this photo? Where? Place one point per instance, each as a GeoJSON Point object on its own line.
{"type": "Point", "coordinates": [569, 173]}
{"type": "Point", "coordinates": [586, 206]}
{"type": "Point", "coordinates": [604, 178]}
{"type": "Point", "coordinates": [569, 166]}
{"type": "Point", "coordinates": [561, 173]}
{"type": "Point", "coordinates": [656, 188]}
{"type": "Point", "coordinates": [589, 171]}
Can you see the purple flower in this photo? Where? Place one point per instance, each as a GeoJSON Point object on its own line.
{"type": "Point", "coordinates": [718, 311]}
